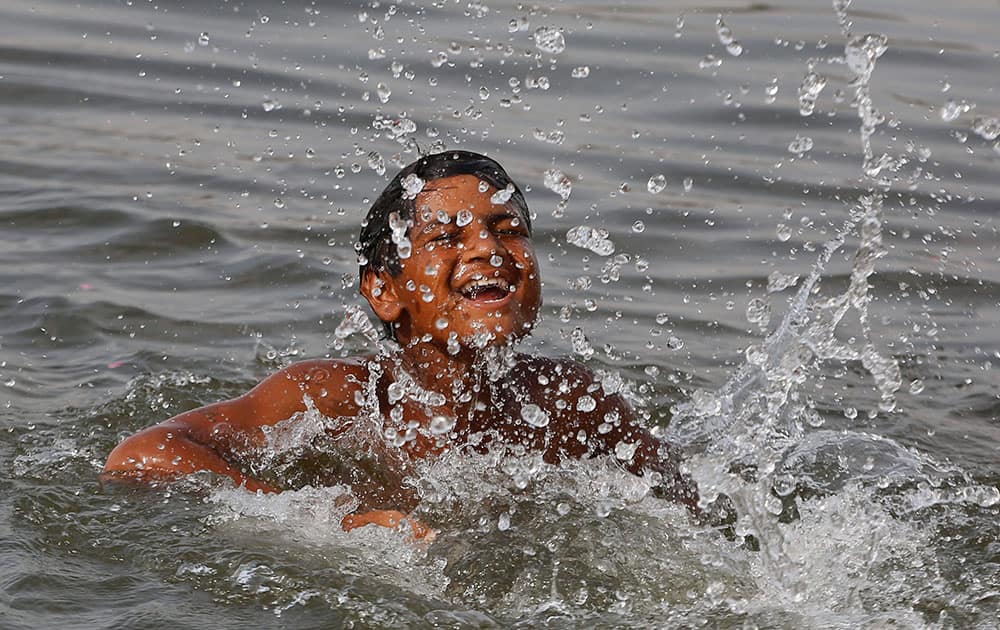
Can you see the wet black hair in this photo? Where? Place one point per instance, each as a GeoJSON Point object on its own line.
{"type": "Point", "coordinates": [377, 252]}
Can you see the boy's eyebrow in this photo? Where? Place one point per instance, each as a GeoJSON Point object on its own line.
{"type": "Point", "coordinates": [510, 213]}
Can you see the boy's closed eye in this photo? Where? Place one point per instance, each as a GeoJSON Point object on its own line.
{"type": "Point", "coordinates": [510, 225]}
{"type": "Point", "coordinates": [443, 237]}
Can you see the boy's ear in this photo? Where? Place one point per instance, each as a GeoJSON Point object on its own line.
{"type": "Point", "coordinates": [384, 301]}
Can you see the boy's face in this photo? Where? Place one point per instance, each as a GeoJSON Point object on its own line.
{"type": "Point", "coordinates": [472, 270]}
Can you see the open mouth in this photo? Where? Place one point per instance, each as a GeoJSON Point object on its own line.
{"type": "Point", "coordinates": [485, 289]}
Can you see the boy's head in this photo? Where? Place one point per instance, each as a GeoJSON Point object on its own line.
{"type": "Point", "coordinates": [446, 254]}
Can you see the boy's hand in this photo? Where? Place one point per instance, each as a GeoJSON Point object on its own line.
{"type": "Point", "coordinates": [393, 519]}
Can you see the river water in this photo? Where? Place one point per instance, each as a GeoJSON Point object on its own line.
{"type": "Point", "coordinates": [182, 185]}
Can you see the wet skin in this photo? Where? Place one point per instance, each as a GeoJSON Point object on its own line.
{"type": "Point", "coordinates": [479, 278]}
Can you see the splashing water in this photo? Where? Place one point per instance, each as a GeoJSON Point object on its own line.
{"type": "Point", "coordinates": [835, 528]}
{"type": "Point", "coordinates": [830, 536]}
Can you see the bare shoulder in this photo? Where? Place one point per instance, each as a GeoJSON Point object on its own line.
{"type": "Point", "coordinates": [329, 383]}
{"type": "Point", "coordinates": [326, 371]}
{"type": "Point", "coordinates": [563, 374]}
{"type": "Point", "coordinates": [571, 391]}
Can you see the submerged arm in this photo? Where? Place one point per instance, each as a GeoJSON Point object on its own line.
{"type": "Point", "coordinates": [656, 456]}
{"type": "Point", "coordinates": [214, 437]}
{"type": "Point", "coordinates": [201, 439]}
{"type": "Point", "coordinates": [612, 427]}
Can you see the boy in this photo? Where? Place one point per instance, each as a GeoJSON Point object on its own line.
{"type": "Point", "coordinates": [448, 265]}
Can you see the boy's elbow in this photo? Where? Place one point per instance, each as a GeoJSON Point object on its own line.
{"type": "Point", "coordinates": [152, 452]}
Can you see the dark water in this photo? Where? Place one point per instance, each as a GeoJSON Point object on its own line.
{"type": "Point", "coordinates": [182, 185]}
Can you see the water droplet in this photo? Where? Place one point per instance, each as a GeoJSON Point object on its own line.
{"type": "Point", "coordinates": [484, 93]}
{"type": "Point", "coordinates": [800, 145]}
{"type": "Point", "coordinates": [987, 128]}
{"type": "Point", "coordinates": [453, 346]}
{"type": "Point", "coordinates": [773, 505]}
{"type": "Point", "coordinates": [549, 40]}
{"type": "Point", "coordinates": [439, 59]}
{"type": "Point", "coordinates": [586, 403]}
{"type": "Point", "coordinates": [495, 260]}
{"type": "Point", "coordinates": [279, 203]}
{"type": "Point", "coordinates": [777, 281]}
{"type": "Point", "coordinates": [756, 355]}
{"type": "Point", "coordinates": [783, 484]}
{"type": "Point", "coordinates": [596, 240]}
{"type": "Point", "coordinates": [376, 162]}
{"type": "Point", "coordinates": [412, 185]}
{"type": "Point", "coordinates": [552, 137]}
{"type": "Point", "coordinates": [558, 182]}
{"type": "Point", "coordinates": [638, 227]}
{"type": "Point", "coordinates": [813, 418]}
{"type": "Point", "coordinates": [812, 84]}
{"type": "Point", "coordinates": [725, 34]}
{"type": "Point", "coordinates": [400, 228]}
{"type": "Point", "coordinates": [656, 184]}
{"type": "Point", "coordinates": [501, 197]}
{"type": "Point", "coordinates": [463, 218]}
{"type": "Point", "coordinates": [441, 425]}
{"type": "Point", "coordinates": [203, 39]}
{"type": "Point", "coordinates": [581, 72]}
{"type": "Point", "coordinates": [688, 184]}
{"type": "Point", "coordinates": [861, 52]}
{"type": "Point", "coordinates": [771, 91]}
{"type": "Point", "coordinates": [625, 451]}
{"type": "Point", "coordinates": [581, 345]}
{"type": "Point", "coordinates": [709, 61]}
{"type": "Point", "coordinates": [758, 312]}
{"type": "Point", "coordinates": [534, 415]}
{"type": "Point", "coordinates": [916, 386]}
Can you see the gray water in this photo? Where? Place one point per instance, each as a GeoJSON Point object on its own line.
{"type": "Point", "coordinates": [182, 187]}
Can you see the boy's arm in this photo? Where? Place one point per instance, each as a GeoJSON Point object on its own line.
{"type": "Point", "coordinates": [633, 445]}
{"type": "Point", "coordinates": [212, 437]}
{"type": "Point", "coordinates": [661, 457]}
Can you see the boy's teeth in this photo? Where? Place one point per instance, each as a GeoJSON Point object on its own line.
{"type": "Point", "coordinates": [474, 286]}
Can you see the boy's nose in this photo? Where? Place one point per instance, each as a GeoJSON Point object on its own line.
{"type": "Point", "coordinates": [482, 243]}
